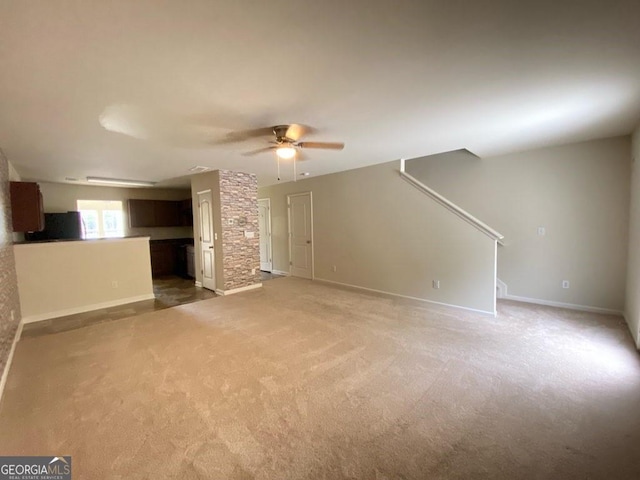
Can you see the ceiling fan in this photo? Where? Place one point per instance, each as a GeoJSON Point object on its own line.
{"type": "Point", "coordinates": [286, 143]}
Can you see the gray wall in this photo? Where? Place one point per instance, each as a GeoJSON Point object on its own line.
{"type": "Point", "coordinates": [578, 192]}
{"type": "Point", "coordinates": [632, 305]}
{"type": "Point", "coordinates": [383, 234]}
{"type": "Point", "coordinates": [9, 300]}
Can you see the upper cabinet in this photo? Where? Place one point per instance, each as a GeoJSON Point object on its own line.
{"type": "Point", "coordinates": [186, 213]}
{"type": "Point", "coordinates": [156, 213]}
{"type": "Point", "coordinates": [27, 212]}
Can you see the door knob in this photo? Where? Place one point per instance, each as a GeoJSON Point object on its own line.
{"type": "Point", "coordinates": [211, 246]}
{"type": "Point", "coordinates": [308, 241]}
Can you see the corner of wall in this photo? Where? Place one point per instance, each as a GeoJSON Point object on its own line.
{"type": "Point", "coordinates": [10, 315]}
{"type": "Point", "coordinates": [632, 293]}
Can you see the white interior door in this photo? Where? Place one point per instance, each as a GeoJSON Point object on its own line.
{"type": "Point", "coordinates": [264, 226]}
{"type": "Point", "coordinates": [300, 235]}
{"type": "Point", "coordinates": [206, 240]}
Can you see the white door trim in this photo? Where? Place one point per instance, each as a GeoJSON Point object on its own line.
{"type": "Point", "coordinates": [289, 196]}
{"type": "Point", "coordinates": [268, 202]}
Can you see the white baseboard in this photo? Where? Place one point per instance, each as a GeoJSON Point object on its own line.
{"type": "Point", "coordinates": [198, 284]}
{"type": "Point", "coordinates": [86, 308]}
{"type": "Point", "coordinates": [238, 290]}
{"type": "Point", "coordinates": [503, 293]}
{"type": "Point", "coordinates": [364, 289]}
{"type": "Point", "coordinates": [501, 289]}
{"type": "Point", "coordinates": [570, 306]}
{"type": "Point", "coordinates": [7, 366]}
{"type": "Point", "coordinates": [280, 272]}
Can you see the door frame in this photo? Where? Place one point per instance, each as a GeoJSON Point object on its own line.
{"type": "Point", "coordinates": [301, 194]}
{"type": "Point", "coordinates": [213, 234]}
{"type": "Point", "coordinates": [268, 201]}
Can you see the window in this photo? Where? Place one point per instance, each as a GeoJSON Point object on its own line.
{"type": "Point", "coordinates": [101, 218]}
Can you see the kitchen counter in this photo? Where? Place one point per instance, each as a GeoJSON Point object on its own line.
{"type": "Point", "coordinates": [66, 277]}
{"type": "Point", "coordinates": [172, 241]}
{"type": "Point", "coordinates": [58, 240]}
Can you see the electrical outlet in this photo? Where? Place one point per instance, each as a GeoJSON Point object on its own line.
{"type": "Point", "coordinates": [436, 284]}
{"type": "Point", "coordinates": [114, 284]}
{"type": "Point", "coordinates": [565, 284]}
{"type": "Point", "coordinates": [253, 271]}
{"type": "Point", "coordinates": [334, 268]}
{"type": "Point", "coordinates": [542, 231]}
{"type": "Point", "coordinates": [13, 315]}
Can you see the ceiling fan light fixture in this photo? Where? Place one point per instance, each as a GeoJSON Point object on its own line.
{"type": "Point", "coordinates": [286, 152]}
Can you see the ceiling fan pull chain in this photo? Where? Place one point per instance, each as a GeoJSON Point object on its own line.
{"type": "Point", "coordinates": [278, 162]}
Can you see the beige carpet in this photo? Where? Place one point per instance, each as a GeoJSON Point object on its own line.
{"type": "Point", "coordinates": [301, 380]}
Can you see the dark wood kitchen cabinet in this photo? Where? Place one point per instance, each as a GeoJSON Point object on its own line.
{"type": "Point", "coordinates": [27, 212]}
{"type": "Point", "coordinates": [186, 213]}
{"type": "Point", "coordinates": [163, 258]}
{"type": "Point", "coordinates": [167, 213]}
{"type": "Point", "coordinates": [141, 213]}
{"type": "Point", "coordinates": [154, 213]}
{"type": "Point", "coordinates": [169, 256]}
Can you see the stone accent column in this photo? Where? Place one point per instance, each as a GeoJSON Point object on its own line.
{"type": "Point", "coordinates": [240, 234]}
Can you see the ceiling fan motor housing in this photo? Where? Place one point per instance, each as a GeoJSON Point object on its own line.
{"type": "Point", "coordinates": [280, 131]}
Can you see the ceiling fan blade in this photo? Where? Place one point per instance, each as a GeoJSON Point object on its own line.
{"type": "Point", "coordinates": [296, 131]}
{"type": "Point", "coordinates": [246, 135]}
{"type": "Point", "coordinates": [260, 150]}
{"type": "Point", "coordinates": [323, 145]}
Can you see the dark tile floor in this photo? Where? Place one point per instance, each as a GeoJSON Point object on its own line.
{"type": "Point", "coordinates": [264, 276]}
{"type": "Point", "coordinates": [170, 291]}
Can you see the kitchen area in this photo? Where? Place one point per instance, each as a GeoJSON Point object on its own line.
{"type": "Point", "coordinates": [51, 212]}
{"type": "Point", "coordinates": [66, 264]}
{"type": "Point", "coordinates": [169, 256]}
{"type": "Point", "coordinates": [81, 247]}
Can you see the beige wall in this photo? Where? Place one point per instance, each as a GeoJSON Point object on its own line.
{"type": "Point", "coordinates": [578, 192]}
{"type": "Point", "coordinates": [14, 176]}
{"type": "Point", "coordinates": [383, 234]}
{"type": "Point", "coordinates": [632, 305]}
{"type": "Point", "coordinates": [61, 278]}
{"type": "Point", "coordinates": [62, 197]}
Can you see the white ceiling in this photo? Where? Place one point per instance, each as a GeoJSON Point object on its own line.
{"type": "Point", "coordinates": [391, 79]}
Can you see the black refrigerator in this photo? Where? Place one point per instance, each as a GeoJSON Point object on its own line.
{"type": "Point", "coordinates": [59, 226]}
